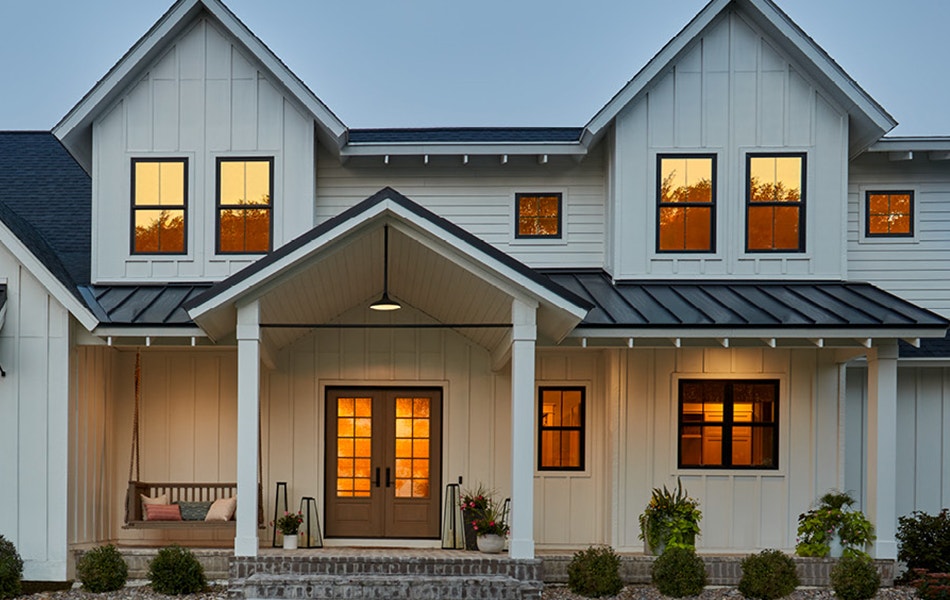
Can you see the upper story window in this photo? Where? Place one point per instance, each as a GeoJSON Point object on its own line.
{"type": "Point", "coordinates": [775, 203]}
{"type": "Point", "coordinates": [561, 429]}
{"type": "Point", "coordinates": [889, 214]}
{"type": "Point", "coordinates": [729, 424]}
{"type": "Point", "coordinates": [245, 203]}
{"type": "Point", "coordinates": [539, 215]}
{"type": "Point", "coordinates": [686, 195]}
{"type": "Point", "coordinates": [159, 205]}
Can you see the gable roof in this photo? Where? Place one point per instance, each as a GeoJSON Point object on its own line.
{"type": "Point", "coordinates": [46, 206]}
{"type": "Point", "coordinates": [75, 129]}
{"type": "Point", "coordinates": [869, 120]}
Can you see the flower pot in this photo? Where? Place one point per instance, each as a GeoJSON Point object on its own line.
{"type": "Point", "coordinates": [290, 541]}
{"type": "Point", "coordinates": [490, 543]}
{"type": "Point", "coordinates": [469, 515]}
{"type": "Point", "coordinates": [837, 548]}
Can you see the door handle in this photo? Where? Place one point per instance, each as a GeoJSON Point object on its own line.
{"type": "Point", "coordinates": [388, 481]}
{"type": "Point", "coordinates": [377, 476]}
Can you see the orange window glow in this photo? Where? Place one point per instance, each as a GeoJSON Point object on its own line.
{"type": "Point", "coordinates": [561, 429]}
{"type": "Point", "coordinates": [413, 422]}
{"type": "Point", "coordinates": [159, 196]}
{"type": "Point", "coordinates": [354, 447]}
{"type": "Point", "coordinates": [245, 196]}
{"type": "Point", "coordinates": [775, 203]}
{"type": "Point", "coordinates": [539, 215]}
{"type": "Point", "coordinates": [889, 214]}
{"type": "Point", "coordinates": [685, 203]}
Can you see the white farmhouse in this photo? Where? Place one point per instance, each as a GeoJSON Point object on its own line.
{"type": "Point", "coordinates": [729, 276]}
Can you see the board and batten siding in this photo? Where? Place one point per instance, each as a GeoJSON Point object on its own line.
{"type": "Point", "coordinates": [731, 92]}
{"type": "Point", "coordinates": [480, 196]}
{"type": "Point", "coordinates": [742, 510]}
{"type": "Point", "coordinates": [916, 268]}
{"type": "Point", "coordinates": [923, 437]}
{"type": "Point", "coordinates": [203, 99]}
{"type": "Point", "coordinates": [34, 432]}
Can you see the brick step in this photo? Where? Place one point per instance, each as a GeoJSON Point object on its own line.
{"type": "Point", "coordinates": [336, 565]}
{"type": "Point", "coordinates": [395, 587]}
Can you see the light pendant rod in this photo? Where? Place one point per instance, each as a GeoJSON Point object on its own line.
{"type": "Point", "coordinates": [385, 303]}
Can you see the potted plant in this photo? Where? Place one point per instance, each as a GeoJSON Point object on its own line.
{"type": "Point", "coordinates": [490, 528]}
{"type": "Point", "coordinates": [671, 520]}
{"type": "Point", "coordinates": [474, 502]}
{"type": "Point", "coordinates": [833, 528]}
{"type": "Point", "coordinates": [289, 525]}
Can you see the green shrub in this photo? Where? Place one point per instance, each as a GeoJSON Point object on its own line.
{"type": "Point", "coordinates": [923, 541]}
{"type": "Point", "coordinates": [11, 569]}
{"type": "Point", "coordinates": [678, 572]}
{"type": "Point", "coordinates": [595, 572]}
{"type": "Point", "coordinates": [102, 569]}
{"type": "Point", "coordinates": [855, 577]}
{"type": "Point", "coordinates": [768, 575]}
{"type": "Point", "coordinates": [175, 570]}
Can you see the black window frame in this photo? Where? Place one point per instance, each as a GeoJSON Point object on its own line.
{"type": "Point", "coordinates": [134, 208]}
{"type": "Point", "coordinates": [582, 428]}
{"type": "Point", "coordinates": [560, 216]}
{"type": "Point", "coordinates": [867, 213]}
{"type": "Point", "coordinates": [802, 202]}
{"type": "Point", "coordinates": [711, 204]}
{"type": "Point", "coordinates": [727, 425]}
{"type": "Point", "coordinates": [218, 207]}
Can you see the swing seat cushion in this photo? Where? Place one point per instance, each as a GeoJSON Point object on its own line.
{"type": "Point", "coordinates": [162, 512]}
{"type": "Point", "coordinates": [222, 509]}
{"type": "Point", "coordinates": [194, 511]}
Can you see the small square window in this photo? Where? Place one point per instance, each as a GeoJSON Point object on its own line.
{"type": "Point", "coordinates": [889, 214]}
{"type": "Point", "coordinates": [245, 205]}
{"type": "Point", "coordinates": [686, 207]}
{"type": "Point", "coordinates": [539, 215]}
{"type": "Point", "coordinates": [159, 205]}
{"type": "Point", "coordinates": [561, 429]}
{"type": "Point", "coordinates": [775, 203]}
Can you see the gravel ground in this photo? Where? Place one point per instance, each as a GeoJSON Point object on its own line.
{"type": "Point", "coordinates": [551, 592]}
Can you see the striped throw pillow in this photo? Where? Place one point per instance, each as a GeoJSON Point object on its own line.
{"type": "Point", "coordinates": [163, 512]}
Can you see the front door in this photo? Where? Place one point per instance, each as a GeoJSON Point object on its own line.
{"type": "Point", "coordinates": [384, 462]}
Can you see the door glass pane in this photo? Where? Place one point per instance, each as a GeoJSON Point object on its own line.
{"type": "Point", "coordinates": [354, 447]}
{"type": "Point", "coordinates": [413, 427]}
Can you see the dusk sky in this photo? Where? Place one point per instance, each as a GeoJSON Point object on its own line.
{"type": "Point", "coordinates": [424, 63]}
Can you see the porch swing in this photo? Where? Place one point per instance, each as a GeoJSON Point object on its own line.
{"type": "Point", "coordinates": [176, 493]}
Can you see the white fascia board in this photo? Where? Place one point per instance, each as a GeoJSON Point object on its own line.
{"type": "Point", "coordinates": [910, 144]}
{"type": "Point", "coordinates": [118, 331]}
{"type": "Point", "coordinates": [453, 249]}
{"type": "Point", "coordinates": [758, 333]}
{"type": "Point", "coordinates": [472, 148]}
{"type": "Point", "coordinates": [169, 24]}
{"type": "Point", "coordinates": [49, 281]}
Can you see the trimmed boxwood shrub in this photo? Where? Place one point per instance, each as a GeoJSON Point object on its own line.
{"type": "Point", "coordinates": [678, 572]}
{"type": "Point", "coordinates": [11, 569]}
{"type": "Point", "coordinates": [102, 569]}
{"type": "Point", "coordinates": [855, 577]}
{"type": "Point", "coordinates": [175, 571]}
{"type": "Point", "coordinates": [595, 572]}
{"type": "Point", "coordinates": [768, 575]}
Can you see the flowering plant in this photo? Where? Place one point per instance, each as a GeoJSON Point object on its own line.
{"type": "Point", "coordinates": [490, 520]}
{"type": "Point", "coordinates": [289, 524]}
{"type": "Point", "coordinates": [833, 515]}
{"type": "Point", "coordinates": [476, 500]}
{"type": "Point", "coordinates": [671, 519]}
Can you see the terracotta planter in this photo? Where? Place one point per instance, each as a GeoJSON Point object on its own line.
{"type": "Point", "coordinates": [490, 543]}
{"type": "Point", "coordinates": [290, 541]}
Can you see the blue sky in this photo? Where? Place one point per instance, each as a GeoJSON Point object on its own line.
{"type": "Point", "coordinates": [423, 63]}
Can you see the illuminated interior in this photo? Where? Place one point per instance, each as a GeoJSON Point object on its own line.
{"type": "Point", "coordinates": [561, 428]}
{"type": "Point", "coordinates": [538, 215]}
{"type": "Point", "coordinates": [244, 205]}
{"type": "Point", "coordinates": [890, 213]}
{"type": "Point", "coordinates": [354, 447]}
{"type": "Point", "coordinates": [159, 206]}
{"type": "Point", "coordinates": [775, 203]}
{"type": "Point", "coordinates": [686, 204]}
{"type": "Point", "coordinates": [413, 421]}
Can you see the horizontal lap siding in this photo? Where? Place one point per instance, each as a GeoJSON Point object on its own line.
{"type": "Point", "coordinates": [916, 269]}
{"type": "Point", "coordinates": [479, 197]}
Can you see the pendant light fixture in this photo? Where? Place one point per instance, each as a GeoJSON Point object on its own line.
{"type": "Point", "coordinates": [385, 303]}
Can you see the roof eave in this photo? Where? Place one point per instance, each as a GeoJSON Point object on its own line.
{"type": "Point", "coordinates": [354, 149]}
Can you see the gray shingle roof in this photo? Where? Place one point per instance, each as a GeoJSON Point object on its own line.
{"type": "Point", "coordinates": [741, 304]}
{"type": "Point", "coordinates": [466, 134]}
{"type": "Point", "coordinates": [46, 201]}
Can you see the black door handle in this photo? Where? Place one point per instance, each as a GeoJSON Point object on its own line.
{"type": "Point", "coordinates": [377, 476]}
{"type": "Point", "coordinates": [388, 481]}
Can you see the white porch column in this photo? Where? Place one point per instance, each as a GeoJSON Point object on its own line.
{"type": "Point", "coordinates": [882, 447]}
{"type": "Point", "coordinates": [248, 401]}
{"type": "Point", "coordinates": [523, 335]}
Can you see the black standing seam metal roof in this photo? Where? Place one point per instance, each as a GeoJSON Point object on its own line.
{"type": "Point", "coordinates": [46, 201]}
{"type": "Point", "coordinates": [142, 305]}
{"type": "Point", "coordinates": [480, 135]}
{"type": "Point", "coordinates": [741, 304]}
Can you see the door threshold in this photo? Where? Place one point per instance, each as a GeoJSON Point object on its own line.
{"type": "Point", "coordinates": [380, 543]}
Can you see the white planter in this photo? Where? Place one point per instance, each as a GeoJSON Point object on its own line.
{"type": "Point", "coordinates": [836, 548]}
{"type": "Point", "coordinates": [290, 542]}
{"type": "Point", "coordinates": [490, 543]}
